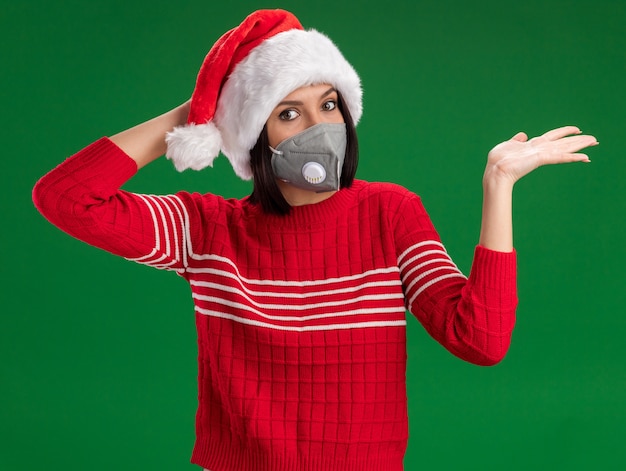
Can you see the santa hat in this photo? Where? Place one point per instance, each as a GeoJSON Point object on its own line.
{"type": "Point", "coordinates": [247, 72]}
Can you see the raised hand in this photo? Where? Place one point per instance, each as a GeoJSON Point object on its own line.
{"type": "Point", "coordinates": [511, 160]}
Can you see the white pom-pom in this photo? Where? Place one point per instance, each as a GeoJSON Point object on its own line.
{"type": "Point", "coordinates": [194, 146]}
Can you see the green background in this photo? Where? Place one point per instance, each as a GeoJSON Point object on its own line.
{"type": "Point", "coordinates": [98, 355]}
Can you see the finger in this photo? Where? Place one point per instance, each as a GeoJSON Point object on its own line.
{"type": "Point", "coordinates": [520, 136]}
{"type": "Point", "coordinates": [573, 143]}
{"type": "Point", "coordinates": [558, 133]}
{"type": "Point", "coordinates": [564, 158]}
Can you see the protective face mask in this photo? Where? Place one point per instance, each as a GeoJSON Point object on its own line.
{"type": "Point", "coordinates": [313, 159]}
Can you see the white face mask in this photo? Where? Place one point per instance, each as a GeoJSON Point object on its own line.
{"type": "Point", "coordinates": [313, 159]}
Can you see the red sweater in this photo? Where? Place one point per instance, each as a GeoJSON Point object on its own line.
{"type": "Point", "coordinates": [300, 318]}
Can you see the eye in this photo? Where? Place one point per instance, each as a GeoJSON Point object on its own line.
{"type": "Point", "coordinates": [329, 105]}
{"type": "Point", "coordinates": [288, 115]}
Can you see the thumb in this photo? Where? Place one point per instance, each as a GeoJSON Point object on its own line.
{"type": "Point", "coordinates": [520, 136]}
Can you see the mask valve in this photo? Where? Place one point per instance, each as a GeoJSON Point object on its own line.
{"type": "Point", "coordinates": [313, 173]}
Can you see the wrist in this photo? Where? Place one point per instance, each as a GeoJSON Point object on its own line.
{"type": "Point", "coordinates": [495, 180]}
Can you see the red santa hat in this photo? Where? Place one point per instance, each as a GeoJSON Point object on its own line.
{"type": "Point", "coordinates": [247, 72]}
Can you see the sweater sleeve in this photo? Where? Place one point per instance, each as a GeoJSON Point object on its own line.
{"type": "Point", "coordinates": [82, 197]}
{"type": "Point", "coordinates": [471, 317]}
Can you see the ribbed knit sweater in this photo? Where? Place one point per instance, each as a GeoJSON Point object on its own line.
{"type": "Point", "coordinates": [300, 318]}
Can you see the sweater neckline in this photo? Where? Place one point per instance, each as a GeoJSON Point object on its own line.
{"type": "Point", "coordinates": [308, 214]}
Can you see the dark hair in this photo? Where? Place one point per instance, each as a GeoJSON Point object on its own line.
{"type": "Point", "coordinates": [266, 191]}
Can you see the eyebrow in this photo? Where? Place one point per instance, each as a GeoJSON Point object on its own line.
{"type": "Point", "coordinates": [299, 103]}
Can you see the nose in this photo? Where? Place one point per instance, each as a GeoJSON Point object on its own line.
{"type": "Point", "coordinates": [314, 116]}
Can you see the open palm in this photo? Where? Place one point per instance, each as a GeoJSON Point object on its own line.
{"type": "Point", "coordinates": [512, 159]}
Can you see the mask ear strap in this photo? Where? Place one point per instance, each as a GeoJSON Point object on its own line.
{"type": "Point", "coordinates": [277, 152]}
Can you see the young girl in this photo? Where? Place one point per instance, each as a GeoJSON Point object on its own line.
{"type": "Point", "coordinates": [300, 289]}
